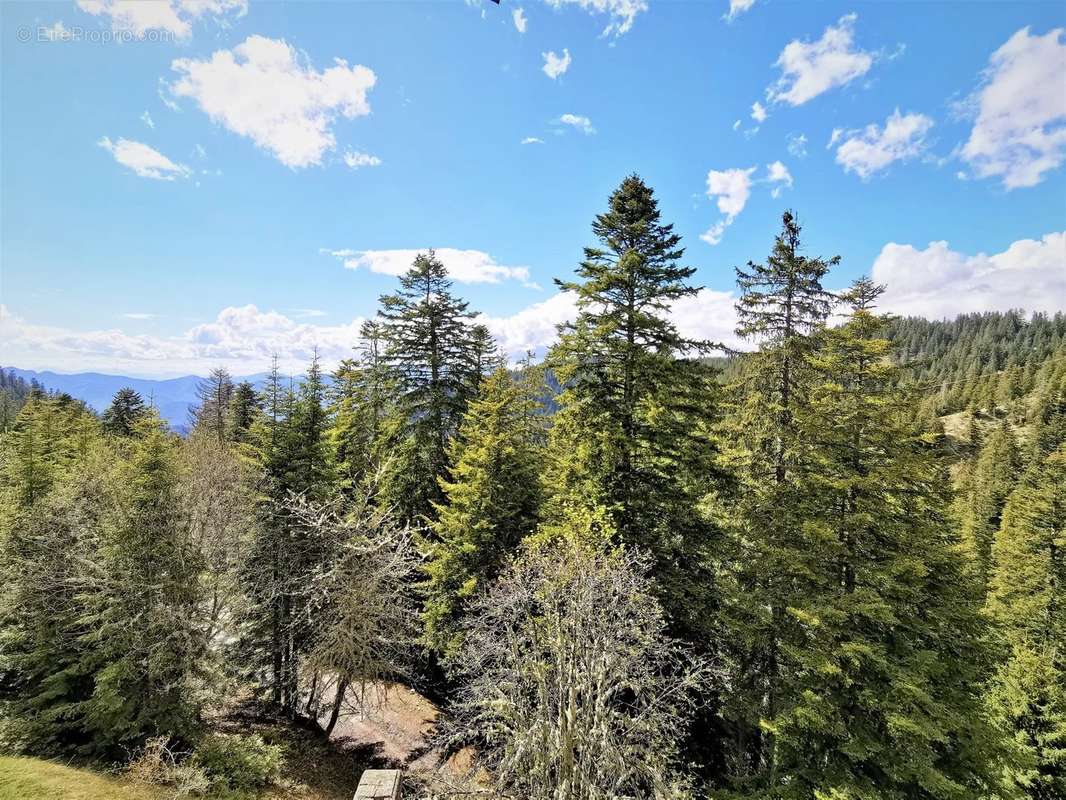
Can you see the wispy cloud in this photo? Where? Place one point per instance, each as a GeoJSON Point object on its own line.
{"type": "Point", "coordinates": [555, 65]}
{"type": "Point", "coordinates": [583, 124]}
{"type": "Point", "coordinates": [144, 160]}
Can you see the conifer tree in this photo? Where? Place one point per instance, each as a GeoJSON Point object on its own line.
{"type": "Point", "coordinates": [126, 409]}
{"type": "Point", "coordinates": [492, 501]}
{"type": "Point", "coordinates": [631, 450]}
{"type": "Point", "coordinates": [362, 400]}
{"type": "Point", "coordinates": [292, 452]}
{"type": "Point", "coordinates": [994, 475]}
{"type": "Point", "coordinates": [54, 493]}
{"type": "Point", "coordinates": [144, 645]}
{"type": "Point", "coordinates": [782, 306]}
{"type": "Point", "coordinates": [1027, 603]}
{"type": "Point", "coordinates": [215, 392]}
{"type": "Point", "coordinates": [883, 612]}
{"type": "Point", "coordinates": [429, 351]}
{"type": "Point", "coordinates": [245, 405]}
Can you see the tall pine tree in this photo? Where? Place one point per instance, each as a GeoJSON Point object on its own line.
{"type": "Point", "coordinates": [492, 503]}
{"type": "Point", "coordinates": [631, 447]}
{"type": "Point", "coordinates": [429, 349]}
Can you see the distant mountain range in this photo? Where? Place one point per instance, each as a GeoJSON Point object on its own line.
{"type": "Point", "coordinates": [172, 397]}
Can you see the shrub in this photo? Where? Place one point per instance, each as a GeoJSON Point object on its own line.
{"type": "Point", "coordinates": [242, 763]}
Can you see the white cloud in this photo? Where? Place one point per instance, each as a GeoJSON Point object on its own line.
{"type": "Point", "coordinates": [583, 124]}
{"type": "Point", "coordinates": [520, 21]}
{"type": "Point", "coordinates": [242, 338]}
{"type": "Point", "coordinates": [532, 140]}
{"type": "Point", "coordinates": [731, 189]}
{"type": "Point", "coordinates": [1020, 130]}
{"type": "Point", "coordinates": [738, 7]}
{"type": "Point", "coordinates": [162, 90]}
{"type": "Point", "coordinates": [464, 266]}
{"type": "Point", "coordinates": [622, 12]}
{"type": "Point", "coordinates": [834, 137]}
{"type": "Point", "coordinates": [810, 68]}
{"type": "Point", "coordinates": [144, 160]}
{"type": "Point", "coordinates": [532, 328]}
{"type": "Point", "coordinates": [940, 282]}
{"type": "Point", "coordinates": [146, 118]}
{"type": "Point", "coordinates": [778, 176]}
{"type": "Point", "coordinates": [171, 16]}
{"type": "Point", "coordinates": [736, 125]}
{"type": "Point", "coordinates": [263, 90]}
{"type": "Point", "coordinates": [797, 145]}
{"type": "Point", "coordinates": [873, 148]}
{"type": "Point", "coordinates": [555, 65]}
{"type": "Point", "coordinates": [355, 160]}
{"type": "Point", "coordinates": [758, 112]}
{"type": "Point", "coordinates": [708, 315]}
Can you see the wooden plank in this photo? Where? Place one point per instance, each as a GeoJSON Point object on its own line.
{"type": "Point", "coordinates": [379, 784]}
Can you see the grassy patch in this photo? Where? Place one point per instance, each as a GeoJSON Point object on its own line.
{"type": "Point", "coordinates": [22, 778]}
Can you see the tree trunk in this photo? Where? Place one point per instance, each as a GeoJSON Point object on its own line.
{"type": "Point", "coordinates": [338, 700]}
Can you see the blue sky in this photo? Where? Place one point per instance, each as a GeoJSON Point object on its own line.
{"type": "Point", "coordinates": [181, 198]}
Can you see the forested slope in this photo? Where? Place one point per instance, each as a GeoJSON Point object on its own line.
{"type": "Point", "coordinates": [785, 579]}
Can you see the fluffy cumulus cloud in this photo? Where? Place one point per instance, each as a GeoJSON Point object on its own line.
{"type": "Point", "coordinates": [532, 140]}
{"type": "Point", "coordinates": [555, 65]}
{"type": "Point", "coordinates": [622, 13]}
{"type": "Point", "coordinates": [464, 266]}
{"type": "Point", "coordinates": [731, 188]}
{"type": "Point", "coordinates": [810, 68]}
{"type": "Point", "coordinates": [242, 338]}
{"type": "Point", "coordinates": [778, 176]}
{"type": "Point", "coordinates": [874, 148]}
{"type": "Point", "coordinates": [583, 124]}
{"type": "Point", "coordinates": [355, 159]}
{"type": "Point", "coordinates": [144, 160]}
{"type": "Point", "coordinates": [520, 20]}
{"type": "Point", "coordinates": [264, 90]}
{"type": "Point", "coordinates": [708, 316]}
{"type": "Point", "coordinates": [738, 7]}
{"type": "Point", "coordinates": [1020, 129]}
{"type": "Point", "coordinates": [940, 282]}
{"type": "Point", "coordinates": [174, 17]}
{"type": "Point", "coordinates": [758, 112]}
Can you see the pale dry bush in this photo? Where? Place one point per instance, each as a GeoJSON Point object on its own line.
{"type": "Point", "coordinates": [572, 689]}
{"type": "Point", "coordinates": [156, 763]}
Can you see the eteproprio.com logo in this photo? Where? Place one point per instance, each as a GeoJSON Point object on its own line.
{"type": "Point", "coordinates": [61, 33]}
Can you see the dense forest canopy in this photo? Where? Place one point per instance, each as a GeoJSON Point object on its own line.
{"type": "Point", "coordinates": [832, 567]}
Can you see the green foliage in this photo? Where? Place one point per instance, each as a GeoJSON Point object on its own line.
{"type": "Point", "coordinates": [866, 708]}
{"type": "Point", "coordinates": [985, 491]}
{"type": "Point", "coordinates": [631, 450]}
{"type": "Point", "coordinates": [143, 646]}
{"type": "Point", "coordinates": [492, 504]}
{"type": "Point", "coordinates": [766, 556]}
{"type": "Point", "coordinates": [290, 450]}
{"type": "Point", "coordinates": [126, 410]}
{"type": "Point", "coordinates": [48, 540]}
{"type": "Point", "coordinates": [1027, 603]}
{"type": "Point", "coordinates": [363, 396]}
{"type": "Point", "coordinates": [236, 762]}
{"type": "Point", "coordinates": [435, 358]}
